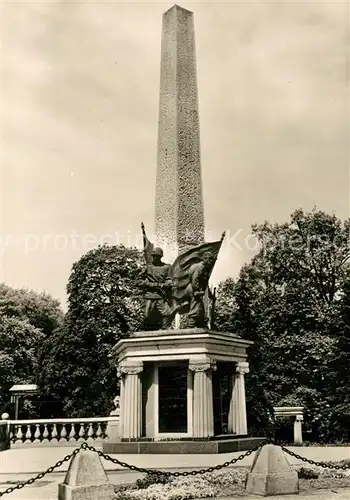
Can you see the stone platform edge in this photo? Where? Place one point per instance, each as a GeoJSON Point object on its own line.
{"type": "Point", "coordinates": [182, 447]}
{"type": "Point", "coordinates": [184, 331]}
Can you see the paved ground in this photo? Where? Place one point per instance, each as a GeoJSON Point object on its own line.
{"type": "Point", "coordinates": [21, 464]}
{"type": "Point", "coordinates": [48, 491]}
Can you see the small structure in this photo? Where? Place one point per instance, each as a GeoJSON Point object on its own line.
{"type": "Point", "coordinates": [291, 411]}
{"type": "Point", "coordinates": [21, 390]}
{"type": "Point", "coordinates": [271, 473]}
{"type": "Point", "coordinates": [171, 397]}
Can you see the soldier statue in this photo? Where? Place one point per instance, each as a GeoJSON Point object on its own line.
{"type": "Point", "coordinates": [156, 284]}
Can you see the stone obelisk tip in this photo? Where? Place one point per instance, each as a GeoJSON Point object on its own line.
{"type": "Point", "coordinates": [178, 7]}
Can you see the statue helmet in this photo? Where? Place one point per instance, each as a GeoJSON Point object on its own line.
{"type": "Point", "coordinates": [208, 257]}
{"type": "Point", "coordinates": [157, 251]}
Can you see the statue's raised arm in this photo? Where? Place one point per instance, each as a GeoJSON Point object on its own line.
{"type": "Point", "coordinates": [147, 245]}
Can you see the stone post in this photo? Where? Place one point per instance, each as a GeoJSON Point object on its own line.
{"type": "Point", "coordinates": [86, 479]}
{"type": "Point", "coordinates": [131, 401]}
{"type": "Point", "coordinates": [298, 435]}
{"type": "Point", "coordinates": [203, 409]}
{"type": "Point", "coordinates": [237, 418]}
{"type": "Point", "coordinates": [271, 474]}
{"type": "Point", "coordinates": [4, 432]}
{"type": "Point", "coordinates": [113, 427]}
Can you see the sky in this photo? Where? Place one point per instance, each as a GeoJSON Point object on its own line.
{"type": "Point", "coordinates": [79, 110]}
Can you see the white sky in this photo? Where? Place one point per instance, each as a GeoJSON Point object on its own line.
{"type": "Point", "coordinates": [79, 110]}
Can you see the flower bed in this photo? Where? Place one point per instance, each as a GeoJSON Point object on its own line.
{"type": "Point", "coordinates": [309, 444]}
{"type": "Point", "coordinates": [212, 484]}
{"type": "Point", "coordinates": [225, 482]}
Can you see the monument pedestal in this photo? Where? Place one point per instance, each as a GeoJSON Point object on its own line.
{"type": "Point", "coordinates": [182, 391]}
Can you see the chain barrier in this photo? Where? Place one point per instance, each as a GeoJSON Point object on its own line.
{"type": "Point", "coordinates": [167, 473]}
{"type": "Point", "coordinates": [156, 472]}
{"type": "Point", "coordinates": [125, 465]}
{"type": "Point", "coordinates": [324, 465]}
{"type": "Point", "coordinates": [21, 485]}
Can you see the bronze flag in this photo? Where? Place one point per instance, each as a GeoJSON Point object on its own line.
{"type": "Point", "coordinates": [179, 270]}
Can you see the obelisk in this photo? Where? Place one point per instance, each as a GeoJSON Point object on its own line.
{"type": "Point", "coordinates": [179, 200]}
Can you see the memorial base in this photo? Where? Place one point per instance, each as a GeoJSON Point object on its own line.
{"type": "Point", "coordinates": [181, 391]}
{"type": "Point", "coordinates": [210, 446]}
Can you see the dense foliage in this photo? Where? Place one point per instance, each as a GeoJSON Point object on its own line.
{"type": "Point", "coordinates": [39, 309]}
{"type": "Point", "coordinates": [293, 301]}
{"type": "Point", "coordinates": [26, 319]}
{"type": "Point", "coordinates": [77, 375]}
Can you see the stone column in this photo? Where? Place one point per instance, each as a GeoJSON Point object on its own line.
{"type": "Point", "coordinates": [298, 435]}
{"type": "Point", "coordinates": [237, 418]}
{"type": "Point", "coordinates": [121, 377]}
{"type": "Point", "coordinates": [131, 401]}
{"type": "Point", "coordinates": [203, 409]}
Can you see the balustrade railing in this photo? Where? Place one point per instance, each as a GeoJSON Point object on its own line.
{"type": "Point", "coordinates": [63, 431]}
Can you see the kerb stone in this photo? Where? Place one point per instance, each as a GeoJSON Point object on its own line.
{"type": "Point", "coordinates": [271, 473]}
{"type": "Point", "coordinates": [86, 479]}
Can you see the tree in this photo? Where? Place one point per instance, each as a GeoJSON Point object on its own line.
{"type": "Point", "coordinates": [104, 305]}
{"type": "Point", "coordinates": [39, 309]}
{"type": "Point", "coordinates": [26, 319]}
{"type": "Point", "coordinates": [225, 306]}
{"type": "Point", "coordinates": [19, 345]}
{"type": "Point", "coordinates": [287, 301]}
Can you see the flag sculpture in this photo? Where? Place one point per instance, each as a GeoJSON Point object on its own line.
{"type": "Point", "coordinates": [179, 287]}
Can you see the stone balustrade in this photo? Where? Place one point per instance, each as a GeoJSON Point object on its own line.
{"type": "Point", "coordinates": [62, 431]}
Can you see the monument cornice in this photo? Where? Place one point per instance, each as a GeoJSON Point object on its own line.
{"type": "Point", "coordinates": [163, 336]}
{"type": "Point", "coordinates": [181, 344]}
{"type": "Point", "coordinates": [182, 331]}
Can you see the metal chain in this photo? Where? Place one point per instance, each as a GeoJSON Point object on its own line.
{"type": "Point", "coordinates": [167, 473]}
{"type": "Point", "coordinates": [325, 465]}
{"type": "Point", "coordinates": [21, 485]}
{"type": "Point", "coordinates": [142, 470]}
{"type": "Point", "coordinates": [156, 472]}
